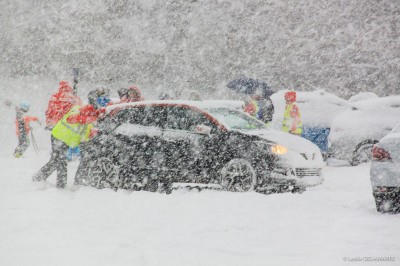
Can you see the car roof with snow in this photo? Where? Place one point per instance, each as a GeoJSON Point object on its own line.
{"type": "Point", "coordinates": [371, 104]}
{"type": "Point", "coordinates": [363, 96]}
{"type": "Point", "coordinates": [312, 97]}
{"type": "Point", "coordinates": [317, 108]}
{"type": "Point", "coordinates": [206, 104]}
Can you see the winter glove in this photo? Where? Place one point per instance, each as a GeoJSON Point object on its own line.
{"type": "Point", "coordinates": [8, 103]}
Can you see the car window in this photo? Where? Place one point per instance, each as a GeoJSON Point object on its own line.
{"type": "Point", "coordinates": [236, 119]}
{"type": "Point", "coordinates": [152, 116]}
{"type": "Point", "coordinates": [181, 118]}
{"type": "Point", "coordinates": [130, 115]}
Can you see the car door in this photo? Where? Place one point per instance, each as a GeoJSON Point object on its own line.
{"type": "Point", "coordinates": [185, 148]}
{"type": "Point", "coordinates": [139, 135]}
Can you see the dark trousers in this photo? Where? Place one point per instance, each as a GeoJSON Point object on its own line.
{"type": "Point", "coordinates": [58, 162]}
{"type": "Point", "coordinates": [23, 144]}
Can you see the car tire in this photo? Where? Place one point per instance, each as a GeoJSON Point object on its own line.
{"type": "Point", "coordinates": [363, 152]}
{"type": "Point", "coordinates": [388, 203]}
{"type": "Point", "coordinates": [103, 173]}
{"type": "Point", "coordinates": [383, 206]}
{"type": "Point", "coordinates": [238, 175]}
{"type": "Point", "coordinates": [151, 185]}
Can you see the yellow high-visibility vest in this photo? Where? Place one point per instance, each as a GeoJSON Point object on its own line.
{"type": "Point", "coordinates": [292, 122]}
{"type": "Point", "coordinates": [71, 134]}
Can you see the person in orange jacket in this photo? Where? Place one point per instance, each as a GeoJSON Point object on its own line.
{"type": "Point", "coordinates": [22, 128]}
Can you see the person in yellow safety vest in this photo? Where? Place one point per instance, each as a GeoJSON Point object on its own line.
{"type": "Point", "coordinates": [74, 128]}
{"type": "Point", "coordinates": [291, 117]}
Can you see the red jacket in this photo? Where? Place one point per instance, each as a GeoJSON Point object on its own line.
{"type": "Point", "coordinates": [60, 103]}
{"type": "Point", "coordinates": [132, 94]}
{"type": "Point", "coordinates": [87, 115]}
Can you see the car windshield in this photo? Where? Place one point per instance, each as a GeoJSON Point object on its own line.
{"type": "Point", "coordinates": [235, 119]}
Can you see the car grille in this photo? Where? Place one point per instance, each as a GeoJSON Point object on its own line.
{"type": "Point", "coordinates": [300, 172]}
{"type": "Point", "coordinates": [308, 157]}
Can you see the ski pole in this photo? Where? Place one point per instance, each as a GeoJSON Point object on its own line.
{"type": "Point", "coordinates": [75, 74]}
{"type": "Point", "coordinates": [34, 144]}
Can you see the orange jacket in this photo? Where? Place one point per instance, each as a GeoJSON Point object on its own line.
{"type": "Point", "coordinates": [27, 120]}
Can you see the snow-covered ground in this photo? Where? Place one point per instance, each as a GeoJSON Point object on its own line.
{"type": "Point", "coordinates": [42, 225]}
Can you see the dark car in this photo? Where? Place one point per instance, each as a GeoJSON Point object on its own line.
{"type": "Point", "coordinates": [384, 172]}
{"type": "Point", "coordinates": [150, 145]}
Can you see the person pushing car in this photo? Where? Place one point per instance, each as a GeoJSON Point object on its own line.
{"type": "Point", "coordinates": [74, 127]}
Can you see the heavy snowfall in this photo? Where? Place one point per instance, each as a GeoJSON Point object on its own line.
{"type": "Point", "coordinates": [338, 47]}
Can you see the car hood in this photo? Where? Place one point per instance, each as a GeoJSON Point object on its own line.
{"type": "Point", "coordinates": [302, 153]}
{"type": "Point", "coordinates": [292, 142]}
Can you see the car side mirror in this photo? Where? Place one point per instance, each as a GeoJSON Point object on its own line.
{"type": "Point", "coordinates": [203, 129]}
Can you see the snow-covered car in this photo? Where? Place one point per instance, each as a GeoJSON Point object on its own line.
{"type": "Point", "coordinates": [355, 131]}
{"type": "Point", "coordinates": [235, 104]}
{"type": "Point", "coordinates": [361, 96]}
{"type": "Point", "coordinates": [385, 172]}
{"type": "Point", "coordinates": [317, 108]}
{"type": "Point", "coordinates": [153, 144]}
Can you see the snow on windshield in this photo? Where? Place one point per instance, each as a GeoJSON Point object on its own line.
{"type": "Point", "coordinates": [234, 119]}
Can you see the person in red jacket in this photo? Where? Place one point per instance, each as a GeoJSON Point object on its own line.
{"type": "Point", "coordinates": [131, 94]}
{"type": "Point", "coordinates": [60, 103]}
{"type": "Point", "coordinates": [22, 128]}
{"type": "Point", "coordinates": [61, 137]}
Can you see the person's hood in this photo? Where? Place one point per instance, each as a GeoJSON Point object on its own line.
{"type": "Point", "coordinates": [64, 87]}
{"type": "Point", "coordinates": [138, 96]}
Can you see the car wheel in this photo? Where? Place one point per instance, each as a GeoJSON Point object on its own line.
{"type": "Point", "coordinates": [238, 175]}
{"type": "Point", "coordinates": [384, 205]}
{"type": "Point", "coordinates": [151, 185]}
{"type": "Point", "coordinates": [103, 173]}
{"type": "Point", "coordinates": [389, 203]}
{"type": "Point", "coordinates": [363, 152]}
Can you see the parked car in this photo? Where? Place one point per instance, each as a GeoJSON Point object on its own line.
{"type": "Point", "coordinates": [317, 108]}
{"type": "Point", "coordinates": [362, 96]}
{"type": "Point", "coordinates": [355, 131]}
{"type": "Point", "coordinates": [152, 144]}
{"type": "Point", "coordinates": [385, 172]}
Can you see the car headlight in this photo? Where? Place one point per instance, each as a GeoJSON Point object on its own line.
{"type": "Point", "coordinates": [279, 149]}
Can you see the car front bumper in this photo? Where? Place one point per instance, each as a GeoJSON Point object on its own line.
{"type": "Point", "coordinates": [302, 177]}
